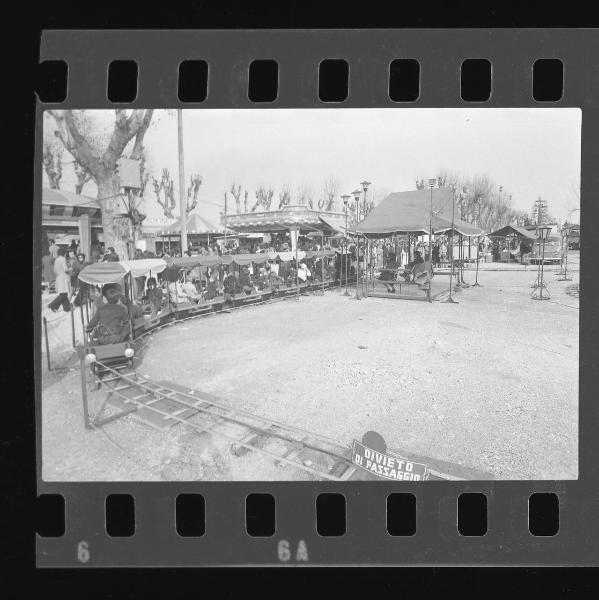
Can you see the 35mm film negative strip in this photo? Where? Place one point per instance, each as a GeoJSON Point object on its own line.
{"type": "Point", "coordinates": [312, 298]}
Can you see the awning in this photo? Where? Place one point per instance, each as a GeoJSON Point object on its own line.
{"type": "Point", "coordinates": [517, 231]}
{"type": "Point", "coordinates": [319, 253]}
{"type": "Point", "coordinates": [113, 272]}
{"type": "Point", "coordinates": [188, 262]}
{"type": "Point", "coordinates": [52, 197]}
{"type": "Point", "coordinates": [246, 259]}
{"type": "Point", "coordinates": [195, 224]}
{"type": "Point", "coordinates": [410, 212]}
{"type": "Point", "coordinates": [287, 256]}
{"type": "Point", "coordinates": [334, 227]}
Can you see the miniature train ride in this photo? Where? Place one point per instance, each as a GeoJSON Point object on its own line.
{"type": "Point", "coordinates": [109, 356]}
{"type": "Point", "coordinates": [217, 283]}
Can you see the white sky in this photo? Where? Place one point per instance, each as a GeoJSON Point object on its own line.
{"type": "Point", "coordinates": [530, 152]}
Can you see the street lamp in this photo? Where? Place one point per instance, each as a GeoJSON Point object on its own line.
{"type": "Point", "coordinates": [563, 276]}
{"type": "Point", "coordinates": [357, 194]}
{"type": "Point", "coordinates": [537, 294]}
{"type": "Point", "coordinates": [345, 199]}
{"type": "Point", "coordinates": [365, 185]}
{"type": "Point", "coordinates": [431, 184]}
{"type": "Point", "coordinates": [450, 299]}
{"type": "Point", "coordinates": [478, 198]}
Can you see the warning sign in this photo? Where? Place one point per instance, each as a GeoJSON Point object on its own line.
{"type": "Point", "coordinates": [387, 465]}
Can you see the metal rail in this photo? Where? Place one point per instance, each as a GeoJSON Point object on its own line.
{"type": "Point", "coordinates": [253, 428]}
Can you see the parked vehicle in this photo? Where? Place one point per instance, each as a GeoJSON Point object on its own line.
{"type": "Point", "coordinates": [574, 239]}
{"type": "Point", "coordinates": [553, 251]}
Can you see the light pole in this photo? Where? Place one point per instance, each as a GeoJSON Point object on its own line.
{"type": "Point", "coordinates": [431, 185]}
{"type": "Point", "coordinates": [357, 194]}
{"type": "Point", "coordinates": [182, 199]}
{"type": "Point", "coordinates": [450, 299]}
{"type": "Point", "coordinates": [537, 294]}
{"type": "Point", "coordinates": [345, 199]}
{"type": "Point", "coordinates": [563, 276]}
{"type": "Point", "coordinates": [479, 202]}
{"type": "Point", "coordinates": [365, 184]}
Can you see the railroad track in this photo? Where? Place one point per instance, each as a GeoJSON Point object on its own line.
{"type": "Point", "coordinates": [320, 456]}
{"type": "Point", "coordinates": [312, 453]}
{"type": "Point", "coordinates": [246, 432]}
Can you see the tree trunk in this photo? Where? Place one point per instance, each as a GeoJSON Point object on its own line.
{"type": "Point", "coordinates": [116, 226]}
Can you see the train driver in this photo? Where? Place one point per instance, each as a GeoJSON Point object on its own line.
{"type": "Point", "coordinates": [112, 318]}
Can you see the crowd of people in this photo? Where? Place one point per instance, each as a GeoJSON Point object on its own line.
{"type": "Point", "coordinates": [390, 261]}
{"type": "Point", "coordinates": [61, 266]}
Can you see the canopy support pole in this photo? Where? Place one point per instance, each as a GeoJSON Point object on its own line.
{"type": "Point", "coordinates": [476, 284]}
{"type": "Point", "coordinates": [449, 299]}
{"type": "Point", "coordinates": [322, 260]}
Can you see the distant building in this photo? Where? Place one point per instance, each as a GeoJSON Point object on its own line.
{"type": "Point", "coordinates": [67, 216]}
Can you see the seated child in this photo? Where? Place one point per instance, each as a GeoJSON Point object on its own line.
{"type": "Point", "coordinates": [211, 289]}
{"type": "Point", "coordinates": [190, 290]}
{"type": "Point", "coordinates": [263, 279]}
{"type": "Point", "coordinates": [409, 270]}
{"type": "Point", "coordinates": [111, 320]}
{"type": "Point", "coordinates": [245, 281]}
{"type": "Point", "coordinates": [387, 276]}
{"type": "Point", "coordinates": [154, 296]}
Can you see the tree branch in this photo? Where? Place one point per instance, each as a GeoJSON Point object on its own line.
{"type": "Point", "coordinates": [139, 137]}
{"type": "Point", "coordinates": [72, 139]}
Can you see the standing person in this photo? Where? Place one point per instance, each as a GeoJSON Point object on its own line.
{"type": "Point", "coordinates": [72, 263]}
{"type": "Point", "coordinates": [53, 250]}
{"type": "Point", "coordinates": [110, 255]}
{"type": "Point", "coordinates": [436, 253]}
{"type": "Point", "coordinates": [443, 251]}
{"type": "Point", "coordinates": [63, 283]}
{"type": "Point", "coordinates": [76, 266]}
{"type": "Point", "coordinates": [48, 269]}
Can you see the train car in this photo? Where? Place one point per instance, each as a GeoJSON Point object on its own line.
{"type": "Point", "coordinates": [242, 285]}
{"type": "Point", "coordinates": [188, 285]}
{"type": "Point", "coordinates": [115, 349]}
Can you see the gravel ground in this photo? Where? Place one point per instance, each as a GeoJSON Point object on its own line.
{"type": "Point", "coordinates": [490, 383]}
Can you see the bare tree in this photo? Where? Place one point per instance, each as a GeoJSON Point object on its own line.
{"type": "Point", "coordinates": [284, 196]}
{"type": "Point", "coordinates": [192, 193]}
{"type": "Point", "coordinates": [236, 192]}
{"type": "Point", "coordinates": [263, 198]}
{"type": "Point", "coordinates": [330, 189]}
{"type": "Point", "coordinates": [52, 161]}
{"type": "Point", "coordinates": [165, 187]}
{"type": "Point", "coordinates": [245, 201]}
{"type": "Point", "coordinates": [306, 195]}
{"type": "Point", "coordinates": [100, 158]}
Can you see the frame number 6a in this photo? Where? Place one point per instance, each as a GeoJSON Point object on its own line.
{"type": "Point", "coordinates": [285, 552]}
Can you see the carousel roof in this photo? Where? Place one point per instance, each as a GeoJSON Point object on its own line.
{"type": "Point", "coordinates": [282, 220]}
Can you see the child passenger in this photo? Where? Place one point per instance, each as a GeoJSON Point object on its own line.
{"type": "Point", "coordinates": [112, 318]}
{"type": "Point", "coordinates": [154, 295]}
